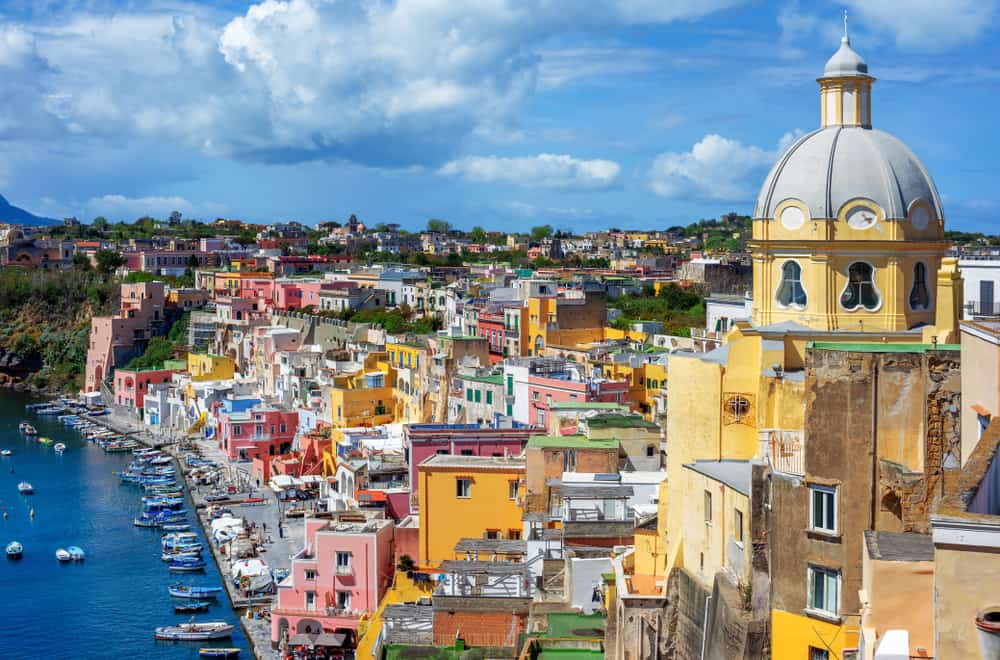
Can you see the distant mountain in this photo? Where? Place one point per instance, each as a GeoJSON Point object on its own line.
{"type": "Point", "coordinates": [16, 216]}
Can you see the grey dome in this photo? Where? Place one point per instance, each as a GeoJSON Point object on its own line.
{"type": "Point", "coordinates": [831, 166]}
{"type": "Point", "coordinates": [845, 62]}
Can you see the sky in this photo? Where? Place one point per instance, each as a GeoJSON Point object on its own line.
{"type": "Point", "coordinates": [499, 113]}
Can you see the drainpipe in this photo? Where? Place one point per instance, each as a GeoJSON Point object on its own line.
{"type": "Point", "coordinates": [704, 627]}
{"type": "Point", "coordinates": [874, 509]}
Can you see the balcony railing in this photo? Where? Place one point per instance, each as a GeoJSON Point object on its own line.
{"type": "Point", "coordinates": [979, 308]}
{"type": "Point", "coordinates": [785, 450]}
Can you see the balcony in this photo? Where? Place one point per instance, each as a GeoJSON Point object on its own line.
{"type": "Point", "coordinates": [982, 309]}
{"type": "Point", "coordinates": [785, 450]}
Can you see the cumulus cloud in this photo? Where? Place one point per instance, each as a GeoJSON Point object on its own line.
{"type": "Point", "coordinates": [392, 83]}
{"type": "Point", "coordinates": [548, 171]}
{"type": "Point", "coordinates": [716, 168]}
{"type": "Point", "coordinates": [121, 207]}
{"type": "Point", "coordinates": [929, 25]}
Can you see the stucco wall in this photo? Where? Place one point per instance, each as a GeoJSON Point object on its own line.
{"type": "Point", "coordinates": [965, 581]}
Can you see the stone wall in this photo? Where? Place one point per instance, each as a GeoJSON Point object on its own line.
{"type": "Point", "coordinates": [686, 600]}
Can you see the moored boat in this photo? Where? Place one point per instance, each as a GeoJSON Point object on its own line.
{"type": "Point", "coordinates": [45, 440]}
{"type": "Point", "coordinates": [25, 488]}
{"type": "Point", "coordinates": [189, 608]}
{"type": "Point", "coordinates": [76, 553]}
{"type": "Point", "coordinates": [196, 593]}
{"type": "Point", "coordinates": [14, 550]}
{"type": "Point", "coordinates": [59, 447]}
{"type": "Point", "coordinates": [6, 452]}
{"type": "Point", "coordinates": [187, 632]}
{"type": "Point", "coordinates": [63, 555]}
{"type": "Point", "coordinates": [180, 556]}
{"type": "Point", "coordinates": [220, 653]}
{"type": "Point", "coordinates": [176, 527]}
{"type": "Point", "coordinates": [27, 429]}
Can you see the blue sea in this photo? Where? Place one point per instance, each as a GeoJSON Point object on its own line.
{"type": "Point", "coordinates": [108, 605]}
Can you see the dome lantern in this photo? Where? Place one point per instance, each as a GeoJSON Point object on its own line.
{"type": "Point", "coordinates": [845, 87]}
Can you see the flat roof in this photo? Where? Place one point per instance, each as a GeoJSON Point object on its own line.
{"type": "Point", "coordinates": [892, 347]}
{"type": "Point", "coordinates": [571, 442]}
{"type": "Point", "coordinates": [472, 462]}
{"type": "Point", "coordinates": [488, 567]}
{"type": "Point", "coordinates": [620, 422]}
{"type": "Point", "coordinates": [577, 491]}
{"type": "Point", "coordinates": [735, 474]}
{"type": "Point", "coordinates": [899, 546]}
{"type": "Point", "coordinates": [571, 624]}
{"type": "Point", "coordinates": [492, 380]}
{"type": "Point", "coordinates": [503, 546]}
{"type": "Point", "coordinates": [587, 405]}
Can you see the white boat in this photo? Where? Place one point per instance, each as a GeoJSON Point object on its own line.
{"type": "Point", "coordinates": [59, 447]}
{"type": "Point", "coordinates": [6, 452]}
{"type": "Point", "coordinates": [14, 550]}
{"type": "Point", "coordinates": [63, 555]}
{"type": "Point", "coordinates": [25, 488]}
{"type": "Point", "coordinates": [76, 553]}
{"type": "Point", "coordinates": [192, 631]}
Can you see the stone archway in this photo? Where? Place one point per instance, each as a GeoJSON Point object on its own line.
{"type": "Point", "coordinates": [539, 345]}
{"type": "Point", "coordinates": [309, 627]}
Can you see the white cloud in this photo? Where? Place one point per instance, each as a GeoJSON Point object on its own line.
{"type": "Point", "coordinates": [549, 171]}
{"type": "Point", "coordinates": [927, 25]}
{"type": "Point", "coordinates": [120, 207]}
{"type": "Point", "coordinates": [716, 168]}
{"type": "Point", "coordinates": [391, 83]}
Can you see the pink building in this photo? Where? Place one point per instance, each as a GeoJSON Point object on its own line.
{"type": "Point", "coordinates": [131, 385]}
{"type": "Point", "coordinates": [116, 339]}
{"type": "Point", "coordinates": [424, 440]}
{"type": "Point", "coordinates": [342, 572]}
{"type": "Point", "coordinates": [543, 392]}
{"type": "Point", "coordinates": [257, 287]}
{"type": "Point", "coordinates": [257, 432]}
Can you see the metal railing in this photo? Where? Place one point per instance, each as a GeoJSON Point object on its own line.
{"type": "Point", "coordinates": [786, 451]}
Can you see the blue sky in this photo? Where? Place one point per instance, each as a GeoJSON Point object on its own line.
{"type": "Point", "coordinates": [506, 114]}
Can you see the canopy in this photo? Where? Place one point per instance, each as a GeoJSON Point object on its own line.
{"type": "Point", "coordinates": [249, 568]}
{"type": "Point", "coordinates": [323, 639]}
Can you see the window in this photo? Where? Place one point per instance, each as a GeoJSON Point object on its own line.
{"type": "Point", "coordinates": [650, 451]}
{"type": "Point", "coordinates": [860, 290]}
{"type": "Point", "coordinates": [310, 574]}
{"type": "Point", "coordinates": [344, 600]}
{"type": "Point", "coordinates": [824, 588]}
{"type": "Point", "coordinates": [790, 291]}
{"type": "Point", "coordinates": [310, 600]}
{"type": "Point", "coordinates": [463, 487]}
{"type": "Point", "coordinates": [541, 418]}
{"type": "Point", "coordinates": [738, 525]}
{"type": "Point", "coordinates": [237, 429]}
{"type": "Point", "coordinates": [468, 394]}
{"type": "Point", "coordinates": [823, 509]}
{"type": "Point", "coordinates": [514, 534]}
{"type": "Point", "coordinates": [466, 452]}
{"type": "Point", "coordinates": [512, 490]}
{"type": "Point", "coordinates": [569, 460]}
{"type": "Point", "coordinates": [479, 396]}
{"type": "Point", "coordinates": [708, 507]}
{"type": "Point", "coordinates": [510, 386]}
{"type": "Point", "coordinates": [441, 451]}
{"type": "Point", "coordinates": [283, 427]}
{"type": "Point", "coordinates": [489, 397]}
{"type": "Point", "coordinates": [343, 562]}
{"type": "Point", "coordinates": [919, 298]}
{"type": "Point", "coordinates": [818, 654]}
{"type": "Point", "coordinates": [493, 534]}
{"type": "Point", "coordinates": [534, 395]}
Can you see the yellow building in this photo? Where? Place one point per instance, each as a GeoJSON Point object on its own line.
{"type": "Point", "coordinates": [363, 398]}
{"type": "Point", "coordinates": [206, 366]}
{"type": "Point", "coordinates": [465, 497]}
{"type": "Point", "coordinates": [411, 364]}
{"type": "Point", "coordinates": [848, 246]}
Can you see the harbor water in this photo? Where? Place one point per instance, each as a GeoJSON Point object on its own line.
{"type": "Point", "coordinates": [107, 605]}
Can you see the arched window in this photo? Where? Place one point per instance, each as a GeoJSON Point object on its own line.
{"type": "Point", "coordinates": [790, 291]}
{"type": "Point", "coordinates": [860, 290]}
{"type": "Point", "coordinates": [919, 297]}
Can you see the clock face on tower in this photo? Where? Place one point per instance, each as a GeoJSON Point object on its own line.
{"type": "Point", "coordinates": [861, 217]}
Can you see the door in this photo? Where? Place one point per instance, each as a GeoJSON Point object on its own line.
{"type": "Point", "coordinates": [986, 297]}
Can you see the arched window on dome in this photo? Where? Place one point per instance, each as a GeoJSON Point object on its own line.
{"type": "Point", "coordinates": [860, 290]}
{"type": "Point", "coordinates": [920, 299]}
{"type": "Point", "coordinates": [790, 291]}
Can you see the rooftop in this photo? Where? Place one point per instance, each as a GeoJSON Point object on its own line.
{"type": "Point", "coordinates": [496, 379]}
{"type": "Point", "coordinates": [500, 546]}
{"type": "Point", "coordinates": [620, 422]}
{"type": "Point", "coordinates": [900, 347]}
{"type": "Point", "coordinates": [587, 405]}
{"type": "Point", "coordinates": [899, 546]}
{"type": "Point", "coordinates": [571, 442]}
{"type": "Point", "coordinates": [472, 462]}
{"type": "Point", "coordinates": [487, 567]}
{"type": "Point", "coordinates": [735, 474]}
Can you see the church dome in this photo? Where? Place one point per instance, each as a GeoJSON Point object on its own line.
{"type": "Point", "coordinates": [845, 62]}
{"type": "Point", "coordinates": [832, 166]}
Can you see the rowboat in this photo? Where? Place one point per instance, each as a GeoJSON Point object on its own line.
{"type": "Point", "coordinates": [76, 553]}
{"type": "Point", "coordinates": [45, 441]}
{"type": "Point", "coordinates": [184, 591]}
{"type": "Point", "coordinates": [180, 556]}
{"type": "Point", "coordinates": [14, 550]}
{"type": "Point", "coordinates": [25, 488]}
{"type": "Point", "coordinates": [196, 606]}
{"type": "Point", "coordinates": [59, 447]}
{"type": "Point", "coordinates": [145, 522]}
{"type": "Point", "coordinates": [176, 527]}
{"type": "Point", "coordinates": [187, 632]}
{"type": "Point", "coordinates": [6, 452]}
{"type": "Point", "coordinates": [63, 555]}
{"type": "Point", "coordinates": [219, 653]}
{"type": "Point", "coordinates": [27, 429]}
{"type": "Point", "coordinates": [186, 566]}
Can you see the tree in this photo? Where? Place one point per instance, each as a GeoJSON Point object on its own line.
{"type": "Point", "coordinates": [175, 218]}
{"type": "Point", "coordinates": [100, 222]}
{"type": "Point", "coordinates": [108, 261]}
{"type": "Point", "coordinates": [478, 234]}
{"type": "Point", "coordinates": [81, 261]}
{"type": "Point", "coordinates": [541, 232]}
{"type": "Point", "coordinates": [436, 226]}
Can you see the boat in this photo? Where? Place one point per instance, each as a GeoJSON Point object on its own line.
{"type": "Point", "coordinates": [63, 555]}
{"type": "Point", "coordinates": [180, 556]}
{"type": "Point", "coordinates": [76, 553]}
{"type": "Point", "coordinates": [189, 632]}
{"type": "Point", "coordinates": [174, 527]}
{"type": "Point", "coordinates": [186, 566]}
{"type": "Point", "coordinates": [196, 593]}
{"type": "Point", "coordinates": [44, 440]}
{"type": "Point", "coordinates": [6, 452]}
{"type": "Point", "coordinates": [25, 488]}
{"type": "Point", "coordinates": [221, 653]}
{"type": "Point", "coordinates": [59, 447]}
{"type": "Point", "coordinates": [196, 606]}
{"type": "Point", "coordinates": [14, 550]}
{"type": "Point", "coordinates": [27, 429]}
{"type": "Point", "coordinates": [145, 522]}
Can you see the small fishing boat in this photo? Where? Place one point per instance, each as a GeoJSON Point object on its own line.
{"type": "Point", "coordinates": [25, 488]}
{"type": "Point", "coordinates": [6, 452]}
{"type": "Point", "coordinates": [174, 527]}
{"type": "Point", "coordinates": [180, 556]}
{"type": "Point", "coordinates": [63, 555]}
{"type": "Point", "coordinates": [76, 553]}
{"type": "Point", "coordinates": [190, 608]}
{"type": "Point", "coordinates": [186, 566]}
{"type": "Point", "coordinates": [27, 429]}
{"type": "Point", "coordinates": [14, 550]}
{"type": "Point", "coordinates": [220, 653]}
{"type": "Point", "coordinates": [189, 632]}
{"type": "Point", "coordinates": [145, 522]}
{"type": "Point", "coordinates": [45, 440]}
{"type": "Point", "coordinates": [59, 447]}
{"type": "Point", "coordinates": [194, 593]}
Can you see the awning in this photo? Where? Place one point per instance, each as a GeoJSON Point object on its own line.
{"type": "Point", "coordinates": [981, 410]}
{"type": "Point", "coordinates": [323, 639]}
